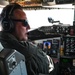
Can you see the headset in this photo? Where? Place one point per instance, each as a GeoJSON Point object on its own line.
{"type": "Point", "coordinates": [6, 22]}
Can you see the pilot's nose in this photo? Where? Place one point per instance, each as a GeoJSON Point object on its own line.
{"type": "Point", "coordinates": [28, 27]}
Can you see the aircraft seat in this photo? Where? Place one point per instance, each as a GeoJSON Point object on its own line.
{"type": "Point", "coordinates": [12, 62]}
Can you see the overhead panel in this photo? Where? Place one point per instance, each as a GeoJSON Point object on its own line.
{"type": "Point", "coordinates": [39, 4]}
{"type": "Point", "coordinates": [49, 2]}
{"type": "Point", "coordinates": [65, 1]}
{"type": "Point", "coordinates": [56, 2]}
{"type": "Point", "coordinates": [27, 3]}
{"type": "Point", "coordinates": [3, 3]}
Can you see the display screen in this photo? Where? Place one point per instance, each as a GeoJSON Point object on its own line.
{"type": "Point", "coordinates": [46, 45]}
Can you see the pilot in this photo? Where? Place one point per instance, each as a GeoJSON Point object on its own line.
{"type": "Point", "coordinates": [14, 36]}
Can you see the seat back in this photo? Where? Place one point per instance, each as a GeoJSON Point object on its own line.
{"type": "Point", "coordinates": [12, 62]}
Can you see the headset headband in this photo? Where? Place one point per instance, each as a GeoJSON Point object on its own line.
{"type": "Point", "coordinates": [8, 10]}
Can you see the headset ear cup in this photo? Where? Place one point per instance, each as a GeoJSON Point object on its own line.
{"type": "Point", "coordinates": [7, 24]}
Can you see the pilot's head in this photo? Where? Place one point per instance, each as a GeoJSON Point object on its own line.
{"type": "Point", "coordinates": [14, 21]}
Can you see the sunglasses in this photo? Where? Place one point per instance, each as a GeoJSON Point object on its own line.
{"type": "Point", "coordinates": [25, 22]}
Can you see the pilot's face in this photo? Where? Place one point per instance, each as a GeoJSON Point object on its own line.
{"type": "Point", "coordinates": [21, 25]}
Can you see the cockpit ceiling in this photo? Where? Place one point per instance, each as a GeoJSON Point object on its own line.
{"type": "Point", "coordinates": [33, 3]}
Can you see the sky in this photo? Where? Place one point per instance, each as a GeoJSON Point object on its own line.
{"type": "Point", "coordinates": [38, 18]}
